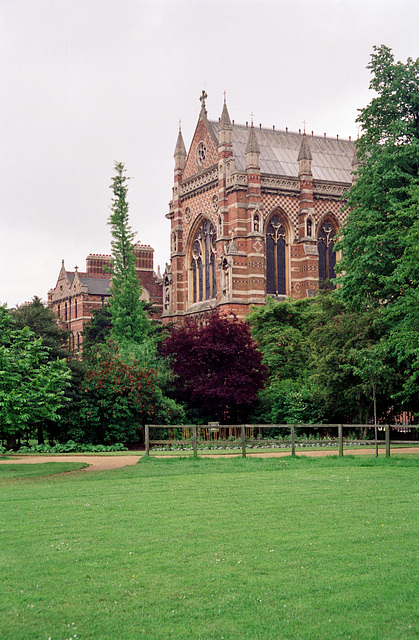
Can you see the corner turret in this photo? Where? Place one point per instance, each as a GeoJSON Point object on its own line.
{"type": "Point", "coordinates": [225, 128]}
{"type": "Point", "coordinates": [180, 153]}
{"type": "Point", "coordinates": [252, 150]}
{"type": "Point", "coordinates": [304, 158]}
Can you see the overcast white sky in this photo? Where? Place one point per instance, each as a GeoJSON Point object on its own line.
{"type": "Point", "coordinates": [85, 83]}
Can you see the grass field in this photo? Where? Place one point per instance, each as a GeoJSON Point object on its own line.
{"type": "Point", "coordinates": [230, 549]}
{"type": "Point", "coordinates": [17, 471]}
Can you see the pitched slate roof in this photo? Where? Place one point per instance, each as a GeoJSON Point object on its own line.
{"type": "Point", "coordinates": [96, 284]}
{"type": "Point", "coordinates": [279, 150]}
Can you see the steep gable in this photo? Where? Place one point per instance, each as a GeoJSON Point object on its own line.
{"type": "Point", "coordinates": [64, 282]}
{"type": "Point", "coordinates": [203, 152]}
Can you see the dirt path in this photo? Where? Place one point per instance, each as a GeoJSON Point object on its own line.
{"type": "Point", "coordinates": [96, 463]}
{"type": "Point", "coordinates": [101, 463]}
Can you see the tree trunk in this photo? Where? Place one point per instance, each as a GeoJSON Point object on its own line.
{"type": "Point", "coordinates": [11, 442]}
{"type": "Point", "coordinates": [40, 434]}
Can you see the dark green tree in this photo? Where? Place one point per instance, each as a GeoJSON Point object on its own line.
{"type": "Point", "coordinates": [379, 241]}
{"type": "Point", "coordinates": [311, 347]}
{"type": "Point", "coordinates": [402, 317]}
{"type": "Point", "coordinates": [370, 365]}
{"type": "Point", "coordinates": [32, 386]}
{"type": "Point", "coordinates": [129, 319]}
{"type": "Point", "coordinates": [375, 238]}
{"type": "Point", "coordinates": [279, 329]}
{"type": "Point", "coordinates": [44, 324]}
{"type": "Point", "coordinates": [98, 328]}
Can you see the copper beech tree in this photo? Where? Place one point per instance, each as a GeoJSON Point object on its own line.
{"type": "Point", "coordinates": [218, 368]}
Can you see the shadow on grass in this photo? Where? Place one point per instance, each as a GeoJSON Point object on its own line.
{"type": "Point", "coordinates": [150, 466]}
{"type": "Point", "coordinates": [10, 472]}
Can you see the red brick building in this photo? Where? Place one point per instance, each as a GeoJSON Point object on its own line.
{"type": "Point", "coordinates": [254, 213]}
{"type": "Point", "coordinates": [77, 294]}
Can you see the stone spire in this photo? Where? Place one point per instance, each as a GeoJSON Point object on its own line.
{"type": "Point", "coordinates": [252, 149]}
{"type": "Point", "coordinates": [304, 157]}
{"type": "Point", "coordinates": [225, 129]}
{"type": "Point", "coordinates": [180, 152]}
{"type": "Point", "coordinates": [225, 122]}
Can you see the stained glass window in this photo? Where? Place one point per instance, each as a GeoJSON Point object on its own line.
{"type": "Point", "coordinates": [275, 257]}
{"type": "Point", "coordinates": [203, 263]}
{"type": "Point", "coordinates": [327, 257]}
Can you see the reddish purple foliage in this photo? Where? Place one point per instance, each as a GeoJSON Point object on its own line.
{"type": "Point", "coordinates": [218, 367]}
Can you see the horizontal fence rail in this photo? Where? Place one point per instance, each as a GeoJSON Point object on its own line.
{"type": "Point", "coordinates": [243, 435]}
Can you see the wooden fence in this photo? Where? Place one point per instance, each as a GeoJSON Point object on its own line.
{"type": "Point", "coordinates": [243, 435]}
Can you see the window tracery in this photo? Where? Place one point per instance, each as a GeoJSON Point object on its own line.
{"type": "Point", "coordinates": [327, 255]}
{"type": "Point", "coordinates": [201, 154]}
{"type": "Point", "coordinates": [203, 272]}
{"type": "Point", "coordinates": [275, 257]}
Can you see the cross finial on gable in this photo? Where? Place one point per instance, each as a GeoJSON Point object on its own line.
{"type": "Point", "coordinates": [202, 99]}
{"type": "Point", "coordinates": [304, 123]}
{"type": "Point", "coordinates": [251, 118]}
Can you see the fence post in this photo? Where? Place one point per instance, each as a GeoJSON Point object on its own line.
{"type": "Point", "coordinates": [243, 440]}
{"type": "Point", "coordinates": [147, 440]}
{"type": "Point", "coordinates": [293, 439]}
{"type": "Point", "coordinates": [194, 443]}
{"type": "Point", "coordinates": [340, 436]}
{"type": "Point", "coordinates": [387, 440]}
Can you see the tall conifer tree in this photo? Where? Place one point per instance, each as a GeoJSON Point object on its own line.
{"type": "Point", "coordinates": [129, 319]}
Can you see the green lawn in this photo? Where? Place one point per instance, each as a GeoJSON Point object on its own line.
{"type": "Point", "coordinates": [229, 549]}
{"type": "Point", "coordinates": [41, 470]}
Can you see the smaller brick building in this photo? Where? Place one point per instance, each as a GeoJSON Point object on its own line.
{"type": "Point", "coordinates": [77, 294]}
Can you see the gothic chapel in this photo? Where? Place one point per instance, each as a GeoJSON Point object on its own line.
{"type": "Point", "coordinates": [254, 213]}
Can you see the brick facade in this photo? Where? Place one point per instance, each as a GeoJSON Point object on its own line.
{"type": "Point", "coordinates": [77, 294]}
{"type": "Point", "coordinates": [254, 212]}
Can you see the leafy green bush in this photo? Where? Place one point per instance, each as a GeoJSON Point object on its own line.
{"type": "Point", "coordinates": [72, 447]}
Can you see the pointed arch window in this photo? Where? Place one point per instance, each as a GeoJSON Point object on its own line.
{"type": "Point", "coordinates": [327, 256]}
{"type": "Point", "coordinates": [275, 257]}
{"type": "Point", "coordinates": [203, 262]}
